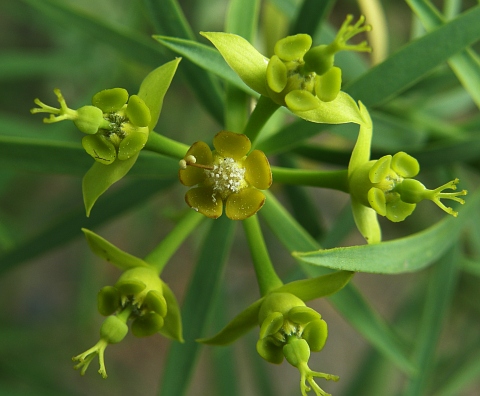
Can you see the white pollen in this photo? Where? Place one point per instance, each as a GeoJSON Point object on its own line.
{"type": "Point", "coordinates": [227, 177]}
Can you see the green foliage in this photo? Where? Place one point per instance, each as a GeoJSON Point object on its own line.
{"type": "Point", "coordinates": [288, 77]}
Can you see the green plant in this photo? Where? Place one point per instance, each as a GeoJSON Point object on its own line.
{"type": "Point", "coordinates": [281, 127]}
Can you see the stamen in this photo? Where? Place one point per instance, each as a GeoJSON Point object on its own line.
{"type": "Point", "coordinates": [190, 160]}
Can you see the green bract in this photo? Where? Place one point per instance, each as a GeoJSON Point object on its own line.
{"type": "Point", "coordinates": [138, 295]}
{"type": "Point", "coordinates": [299, 77]}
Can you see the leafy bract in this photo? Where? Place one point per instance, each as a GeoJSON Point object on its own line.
{"type": "Point", "coordinates": [307, 289]}
{"type": "Point", "coordinates": [109, 252]}
{"type": "Point", "coordinates": [243, 58]}
{"type": "Point", "coordinates": [154, 87]}
{"type": "Point", "coordinates": [100, 177]}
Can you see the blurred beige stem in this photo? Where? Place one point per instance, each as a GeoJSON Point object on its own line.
{"type": "Point", "coordinates": [378, 36]}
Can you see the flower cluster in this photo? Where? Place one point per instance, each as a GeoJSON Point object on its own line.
{"type": "Point", "coordinates": [116, 124]}
{"type": "Point", "coordinates": [290, 329]}
{"type": "Point", "coordinates": [386, 185]}
{"type": "Point", "coordinates": [139, 295]}
{"type": "Point", "coordinates": [229, 174]}
{"type": "Point", "coordinates": [299, 76]}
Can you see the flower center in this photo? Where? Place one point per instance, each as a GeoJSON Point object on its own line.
{"type": "Point", "coordinates": [226, 177]}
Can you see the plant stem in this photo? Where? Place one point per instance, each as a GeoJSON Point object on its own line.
{"type": "Point", "coordinates": [267, 278]}
{"type": "Point", "coordinates": [159, 256]}
{"type": "Point", "coordinates": [336, 180]}
{"type": "Point", "coordinates": [263, 111]}
{"type": "Point", "coordinates": [163, 145]}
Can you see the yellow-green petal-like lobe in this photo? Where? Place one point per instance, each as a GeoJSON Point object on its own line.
{"type": "Point", "coordinates": [202, 200]}
{"type": "Point", "coordinates": [376, 199]}
{"type": "Point", "coordinates": [398, 210]}
{"type": "Point", "coordinates": [257, 170]}
{"type": "Point", "coordinates": [327, 86]}
{"type": "Point", "coordinates": [269, 351]}
{"type": "Point", "coordinates": [244, 204]}
{"type": "Point", "coordinates": [380, 169]}
{"type": "Point", "coordinates": [147, 325]}
{"type": "Point", "coordinates": [100, 148]}
{"type": "Point", "coordinates": [110, 100]}
{"type": "Point", "coordinates": [230, 144]}
{"type": "Point", "coordinates": [276, 74]}
{"type": "Point", "coordinates": [301, 101]}
{"type": "Point", "coordinates": [293, 47]}
{"type": "Point", "coordinates": [131, 145]}
{"type": "Point", "coordinates": [405, 165]}
{"type": "Point", "coordinates": [271, 324]}
{"type": "Point", "coordinates": [137, 111]}
{"type": "Point", "coordinates": [315, 333]}
{"type": "Point", "coordinates": [203, 155]}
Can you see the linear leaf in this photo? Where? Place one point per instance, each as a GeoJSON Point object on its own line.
{"type": "Point", "coordinates": [439, 295]}
{"type": "Point", "coordinates": [197, 306]}
{"type": "Point", "coordinates": [130, 44]}
{"type": "Point", "coordinates": [168, 16]}
{"type": "Point", "coordinates": [416, 59]}
{"type": "Point", "coordinates": [206, 57]}
{"type": "Point", "coordinates": [465, 64]}
{"type": "Point", "coordinates": [67, 226]}
{"type": "Point", "coordinates": [54, 157]}
{"type": "Point", "coordinates": [408, 254]}
{"type": "Point", "coordinates": [349, 301]}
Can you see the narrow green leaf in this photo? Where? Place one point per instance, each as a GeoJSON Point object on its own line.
{"type": "Point", "coordinates": [242, 18]}
{"type": "Point", "coordinates": [416, 59]}
{"type": "Point", "coordinates": [205, 57]}
{"type": "Point", "coordinates": [465, 64]}
{"type": "Point", "coordinates": [197, 306]}
{"type": "Point", "coordinates": [56, 157]}
{"type": "Point", "coordinates": [67, 226]}
{"type": "Point", "coordinates": [128, 43]}
{"type": "Point", "coordinates": [349, 301]}
{"type": "Point", "coordinates": [100, 177]}
{"type": "Point", "coordinates": [440, 291]}
{"type": "Point", "coordinates": [411, 253]}
{"type": "Point", "coordinates": [155, 86]}
{"type": "Point", "coordinates": [109, 252]}
{"type": "Point", "coordinates": [169, 18]}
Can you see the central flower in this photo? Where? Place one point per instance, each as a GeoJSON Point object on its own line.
{"type": "Point", "coordinates": [226, 175]}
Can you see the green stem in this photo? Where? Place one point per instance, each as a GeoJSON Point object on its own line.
{"type": "Point", "coordinates": [263, 111]}
{"type": "Point", "coordinates": [267, 278]}
{"type": "Point", "coordinates": [163, 145]}
{"type": "Point", "coordinates": [125, 313]}
{"type": "Point", "coordinates": [336, 180]}
{"type": "Point", "coordinates": [159, 256]}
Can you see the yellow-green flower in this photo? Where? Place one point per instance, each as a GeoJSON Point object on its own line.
{"type": "Point", "coordinates": [116, 125]}
{"type": "Point", "coordinates": [229, 174]}
{"type": "Point", "coordinates": [139, 295]}
{"type": "Point", "coordinates": [298, 76]}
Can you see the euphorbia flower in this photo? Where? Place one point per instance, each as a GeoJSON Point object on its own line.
{"type": "Point", "coordinates": [288, 328]}
{"type": "Point", "coordinates": [229, 174]}
{"type": "Point", "coordinates": [138, 295]}
{"type": "Point", "coordinates": [117, 127]}
{"type": "Point", "coordinates": [386, 187]}
{"type": "Point", "coordinates": [298, 76]}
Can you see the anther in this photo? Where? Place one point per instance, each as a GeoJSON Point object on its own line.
{"type": "Point", "coordinates": [190, 160]}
